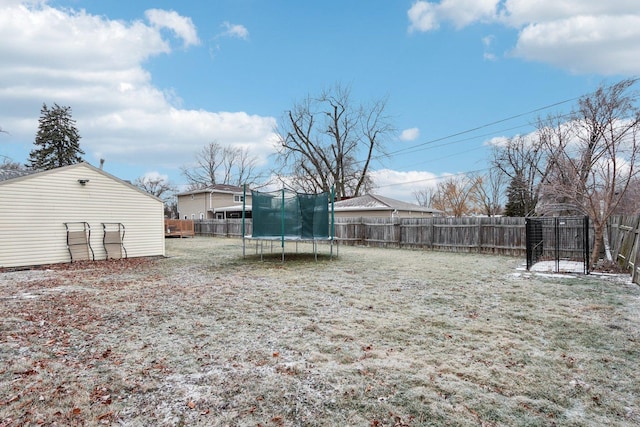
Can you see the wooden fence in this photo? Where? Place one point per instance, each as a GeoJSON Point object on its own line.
{"type": "Point", "coordinates": [624, 241]}
{"type": "Point", "coordinates": [485, 235]}
{"type": "Point", "coordinates": [472, 234]}
{"type": "Point", "coordinates": [222, 227]}
{"type": "Point", "coordinates": [178, 228]}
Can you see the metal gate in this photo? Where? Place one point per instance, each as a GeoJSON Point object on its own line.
{"type": "Point", "coordinates": [558, 239]}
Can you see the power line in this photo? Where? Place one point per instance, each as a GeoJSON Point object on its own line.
{"type": "Point", "coordinates": [484, 126]}
{"type": "Point", "coordinates": [419, 147]}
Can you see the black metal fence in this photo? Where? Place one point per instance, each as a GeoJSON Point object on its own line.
{"type": "Point", "coordinates": [558, 239]}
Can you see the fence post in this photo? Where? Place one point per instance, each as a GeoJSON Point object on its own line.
{"type": "Point", "coordinates": [635, 275]}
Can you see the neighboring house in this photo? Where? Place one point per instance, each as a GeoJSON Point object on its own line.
{"type": "Point", "coordinates": [35, 207]}
{"type": "Point", "coordinates": [372, 205]}
{"type": "Point", "coordinates": [219, 201]}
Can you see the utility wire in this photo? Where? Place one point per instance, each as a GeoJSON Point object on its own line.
{"type": "Point", "coordinates": [421, 146]}
{"type": "Point", "coordinates": [484, 126]}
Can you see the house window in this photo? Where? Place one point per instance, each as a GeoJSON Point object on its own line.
{"type": "Point", "coordinates": [193, 216]}
{"type": "Point", "coordinates": [238, 198]}
{"type": "Point", "coordinates": [219, 215]}
{"type": "Point", "coordinates": [201, 216]}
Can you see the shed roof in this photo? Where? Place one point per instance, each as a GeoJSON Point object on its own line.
{"type": "Point", "coordinates": [377, 202]}
{"type": "Point", "coordinates": [7, 177]}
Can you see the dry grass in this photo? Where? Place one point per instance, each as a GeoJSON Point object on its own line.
{"type": "Point", "coordinates": [376, 337]}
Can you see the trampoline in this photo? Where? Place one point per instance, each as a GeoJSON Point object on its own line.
{"type": "Point", "coordinates": [287, 216]}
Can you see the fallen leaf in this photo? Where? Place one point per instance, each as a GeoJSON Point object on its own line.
{"type": "Point", "coordinates": [76, 411]}
{"type": "Point", "coordinates": [107, 415]}
{"type": "Point", "coordinates": [191, 404]}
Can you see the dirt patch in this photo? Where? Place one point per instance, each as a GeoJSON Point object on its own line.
{"type": "Point", "coordinates": [374, 337]}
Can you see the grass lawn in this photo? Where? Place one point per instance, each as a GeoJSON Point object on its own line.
{"type": "Point", "coordinates": [374, 337]}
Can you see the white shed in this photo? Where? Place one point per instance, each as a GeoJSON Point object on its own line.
{"type": "Point", "coordinates": [40, 213]}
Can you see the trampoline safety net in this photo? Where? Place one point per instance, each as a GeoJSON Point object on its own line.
{"type": "Point", "coordinates": [290, 215]}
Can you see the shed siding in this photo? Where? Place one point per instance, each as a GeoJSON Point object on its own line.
{"type": "Point", "coordinates": [33, 211]}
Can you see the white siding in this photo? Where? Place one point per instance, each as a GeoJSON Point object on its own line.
{"type": "Point", "coordinates": [33, 210]}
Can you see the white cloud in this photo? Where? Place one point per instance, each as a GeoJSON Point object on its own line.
{"type": "Point", "coordinates": [426, 16]}
{"type": "Point", "coordinates": [96, 66]}
{"type": "Point", "coordinates": [423, 17]}
{"type": "Point", "coordinates": [182, 26]}
{"type": "Point", "coordinates": [410, 134]}
{"type": "Point", "coordinates": [465, 12]}
{"type": "Point", "coordinates": [155, 176]}
{"type": "Point", "coordinates": [519, 13]}
{"type": "Point", "coordinates": [583, 44]}
{"type": "Point", "coordinates": [583, 36]}
{"type": "Point", "coordinates": [401, 185]}
{"type": "Point", "coordinates": [234, 30]}
{"type": "Point", "coordinates": [487, 42]}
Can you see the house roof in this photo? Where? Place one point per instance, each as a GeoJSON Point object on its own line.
{"type": "Point", "coordinates": [232, 208]}
{"type": "Point", "coordinates": [376, 202]}
{"type": "Point", "coordinates": [217, 188]}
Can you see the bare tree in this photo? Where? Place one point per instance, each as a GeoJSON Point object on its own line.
{"type": "Point", "coordinates": [487, 191]}
{"type": "Point", "coordinates": [630, 201]}
{"type": "Point", "coordinates": [523, 160]}
{"type": "Point", "coordinates": [216, 164]}
{"type": "Point", "coordinates": [594, 168]}
{"type": "Point", "coordinates": [8, 164]}
{"type": "Point", "coordinates": [159, 186]}
{"type": "Point", "coordinates": [454, 195]}
{"type": "Point", "coordinates": [425, 196]}
{"type": "Point", "coordinates": [155, 185]}
{"type": "Point", "coordinates": [328, 141]}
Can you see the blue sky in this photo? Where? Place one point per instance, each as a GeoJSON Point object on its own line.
{"type": "Point", "coordinates": [152, 82]}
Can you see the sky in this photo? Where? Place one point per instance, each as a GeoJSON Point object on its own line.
{"type": "Point", "coordinates": [150, 83]}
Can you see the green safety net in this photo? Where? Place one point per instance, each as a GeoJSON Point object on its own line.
{"type": "Point", "coordinates": [289, 215]}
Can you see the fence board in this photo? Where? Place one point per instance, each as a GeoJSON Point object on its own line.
{"type": "Point", "coordinates": [624, 240]}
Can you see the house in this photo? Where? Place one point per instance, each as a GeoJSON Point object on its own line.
{"type": "Point", "coordinates": [75, 212]}
{"type": "Point", "coordinates": [372, 205]}
{"type": "Point", "coordinates": [218, 201]}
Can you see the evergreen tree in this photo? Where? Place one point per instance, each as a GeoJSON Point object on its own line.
{"type": "Point", "coordinates": [57, 141]}
{"type": "Point", "coordinates": [518, 198]}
